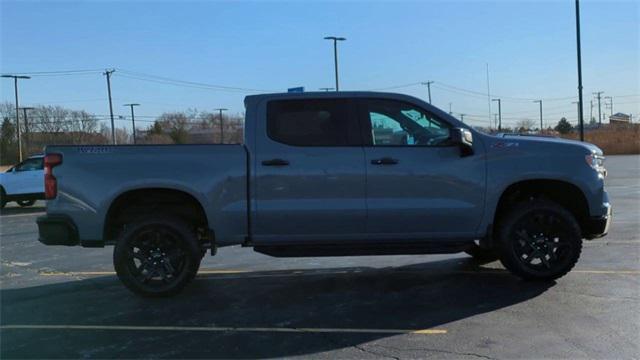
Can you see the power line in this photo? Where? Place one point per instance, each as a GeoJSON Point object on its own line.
{"type": "Point", "coordinates": [191, 83]}
{"type": "Point", "coordinates": [60, 72]}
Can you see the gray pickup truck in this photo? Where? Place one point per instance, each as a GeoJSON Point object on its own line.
{"type": "Point", "coordinates": [330, 174]}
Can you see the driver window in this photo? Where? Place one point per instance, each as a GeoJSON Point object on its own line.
{"type": "Point", "coordinates": [395, 123]}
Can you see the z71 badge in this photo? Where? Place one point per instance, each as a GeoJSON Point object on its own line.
{"type": "Point", "coordinates": [504, 144]}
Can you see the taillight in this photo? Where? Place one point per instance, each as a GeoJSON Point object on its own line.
{"type": "Point", "coordinates": [50, 182]}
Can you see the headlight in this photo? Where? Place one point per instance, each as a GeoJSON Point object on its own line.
{"type": "Point", "coordinates": [597, 163]}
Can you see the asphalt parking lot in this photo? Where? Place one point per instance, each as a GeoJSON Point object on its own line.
{"type": "Point", "coordinates": [59, 302]}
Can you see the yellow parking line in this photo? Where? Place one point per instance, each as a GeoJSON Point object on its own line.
{"type": "Point", "coordinates": [224, 329]}
{"type": "Point", "coordinates": [628, 272]}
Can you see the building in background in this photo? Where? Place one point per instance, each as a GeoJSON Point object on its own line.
{"type": "Point", "coordinates": [619, 119]}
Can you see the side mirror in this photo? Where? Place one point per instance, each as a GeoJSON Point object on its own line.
{"type": "Point", "coordinates": [464, 139]}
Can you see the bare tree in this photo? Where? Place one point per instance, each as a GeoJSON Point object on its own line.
{"type": "Point", "coordinates": [525, 125]}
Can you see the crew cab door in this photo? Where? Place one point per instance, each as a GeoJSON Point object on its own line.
{"type": "Point", "coordinates": [418, 185]}
{"type": "Point", "coordinates": [309, 172]}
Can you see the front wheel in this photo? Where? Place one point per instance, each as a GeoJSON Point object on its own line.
{"type": "Point", "coordinates": [539, 240]}
{"type": "Point", "coordinates": [157, 256]}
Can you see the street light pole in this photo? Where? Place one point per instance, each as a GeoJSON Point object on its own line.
{"type": "Point", "coordinates": [579, 52]}
{"type": "Point", "coordinates": [335, 55]}
{"type": "Point", "coordinates": [462, 117]}
{"type": "Point", "coordinates": [133, 120]}
{"type": "Point", "coordinates": [540, 102]}
{"type": "Point", "coordinates": [428, 83]}
{"type": "Point", "coordinates": [15, 84]}
{"type": "Point", "coordinates": [221, 124]}
{"type": "Point", "coordinates": [499, 113]}
{"type": "Point", "coordinates": [450, 109]}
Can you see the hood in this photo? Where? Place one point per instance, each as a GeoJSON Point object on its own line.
{"type": "Point", "coordinates": [542, 140]}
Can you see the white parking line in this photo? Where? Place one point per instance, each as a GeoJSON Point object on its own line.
{"type": "Point", "coordinates": [259, 274]}
{"type": "Point", "coordinates": [224, 329]}
{"type": "Point", "coordinates": [20, 215]}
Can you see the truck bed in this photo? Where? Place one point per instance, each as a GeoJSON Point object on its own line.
{"type": "Point", "coordinates": [91, 178]}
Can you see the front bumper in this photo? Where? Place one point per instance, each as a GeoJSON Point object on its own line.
{"type": "Point", "coordinates": [596, 227]}
{"type": "Point", "coordinates": [57, 230]}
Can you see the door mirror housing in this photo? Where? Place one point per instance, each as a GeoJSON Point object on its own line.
{"type": "Point", "coordinates": [464, 139]}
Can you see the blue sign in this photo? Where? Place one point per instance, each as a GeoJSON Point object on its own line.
{"type": "Point", "coordinates": [296, 89]}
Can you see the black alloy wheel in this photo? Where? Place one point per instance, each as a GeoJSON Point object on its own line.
{"type": "Point", "coordinates": [157, 257]}
{"type": "Point", "coordinates": [540, 240]}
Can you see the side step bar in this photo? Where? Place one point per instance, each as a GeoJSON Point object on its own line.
{"type": "Point", "coordinates": [363, 249]}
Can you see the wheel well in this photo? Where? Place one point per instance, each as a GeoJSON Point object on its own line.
{"type": "Point", "coordinates": [563, 193]}
{"type": "Point", "coordinates": [132, 204]}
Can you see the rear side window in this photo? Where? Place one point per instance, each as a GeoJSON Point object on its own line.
{"type": "Point", "coordinates": [308, 122]}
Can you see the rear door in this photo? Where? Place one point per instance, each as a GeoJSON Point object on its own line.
{"type": "Point", "coordinates": [309, 172]}
{"type": "Point", "coordinates": [418, 186]}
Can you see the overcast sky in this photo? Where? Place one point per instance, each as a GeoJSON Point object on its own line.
{"type": "Point", "coordinates": [246, 47]}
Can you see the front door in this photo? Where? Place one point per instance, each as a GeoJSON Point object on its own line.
{"type": "Point", "coordinates": [26, 177]}
{"type": "Point", "coordinates": [418, 185]}
{"type": "Point", "coordinates": [309, 173]}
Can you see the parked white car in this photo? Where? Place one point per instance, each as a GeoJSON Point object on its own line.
{"type": "Point", "coordinates": [23, 183]}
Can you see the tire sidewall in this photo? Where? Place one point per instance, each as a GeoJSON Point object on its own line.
{"type": "Point", "coordinates": [189, 244]}
{"type": "Point", "coordinates": [510, 259]}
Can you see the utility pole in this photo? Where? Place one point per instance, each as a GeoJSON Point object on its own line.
{"type": "Point", "coordinates": [590, 110]}
{"type": "Point", "coordinates": [15, 84]}
{"type": "Point", "coordinates": [221, 125]}
{"type": "Point", "coordinates": [579, 53]}
{"type": "Point", "coordinates": [450, 109]}
{"type": "Point", "coordinates": [326, 89]}
{"type": "Point", "coordinates": [499, 114]}
{"type": "Point", "coordinates": [462, 117]}
{"type": "Point", "coordinates": [26, 127]}
{"type": "Point", "coordinates": [610, 103]}
{"type": "Point", "coordinates": [598, 94]}
{"type": "Point", "coordinates": [428, 83]}
{"type": "Point", "coordinates": [133, 120]}
{"type": "Point", "coordinates": [541, 125]}
{"type": "Point", "coordinates": [335, 55]}
{"type": "Point", "coordinates": [113, 129]}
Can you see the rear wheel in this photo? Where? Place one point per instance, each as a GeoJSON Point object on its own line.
{"type": "Point", "coordinates": [26, 203]}
{"type": "Point", "coordinates": [539, 240]}
{"type": "Point", "coordinates": [3, 198]}
{"type": "Point", "coordinates": [157, 256]}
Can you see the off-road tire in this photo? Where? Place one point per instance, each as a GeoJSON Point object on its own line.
{"type": "Point", "coordinates": [179, 242]}
{"type": "Point", "coordinates": [557, 225]}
